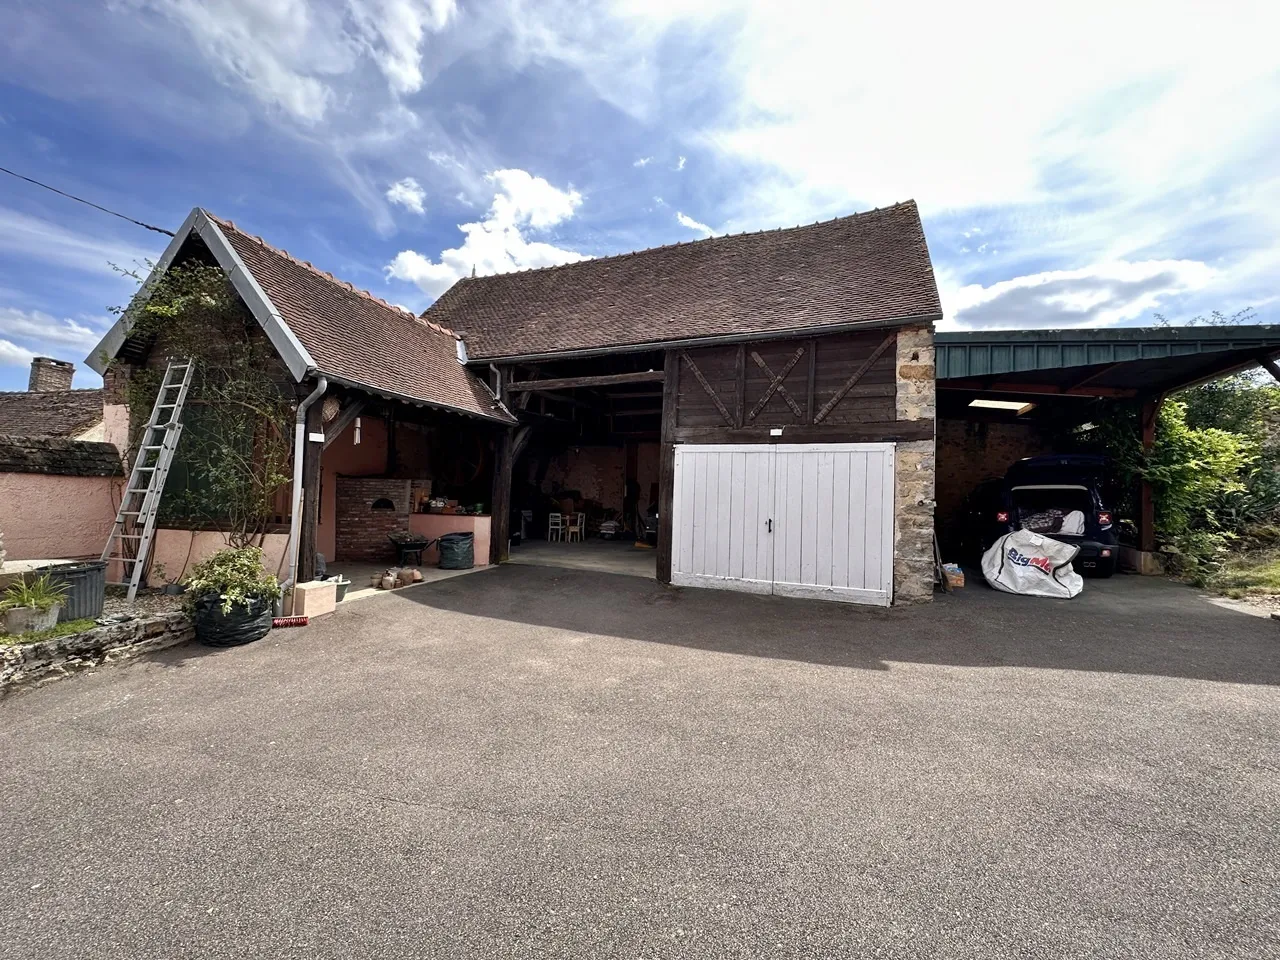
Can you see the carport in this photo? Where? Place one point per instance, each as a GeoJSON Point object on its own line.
{"type": "Point", "coordinates": [1008, 394]}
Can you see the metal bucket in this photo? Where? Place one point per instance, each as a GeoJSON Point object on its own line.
{"type": "Point", "coordinates": [86, 585]}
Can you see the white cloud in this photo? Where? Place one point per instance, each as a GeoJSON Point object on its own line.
{"type": "Point", "coordinates": [1101, 295]}
{"type": "Point", "coordinates": [12, 355]}
{"type": "Point", "coordinates": [394, 30]}
{"type": "Point", "coordinates": [30, 238]}
{"type": "Point", "coordinates": [497, 244]}
{"type": "Point", "coordinates": [41, 328]}
{"type": "Point", "coordinates": [692, 224]}
{"type": "Point", "coordinates": [525, 199]}
{"type": "Point", "coordinates": [409, 194]}
{"type": "Point", "coordinates": [643, 162]}
{"type": "Point", "coordinates": [289, 53]}
{"type": "Point", "coordinates": [680, 163]}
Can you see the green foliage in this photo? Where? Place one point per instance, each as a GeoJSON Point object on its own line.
{"type": "Point", "coordinates": [41, 593]}
{"type": "Point", "coordinates": [236, 450]}
{"type": "Point", "coordinates": [234, 575]}
{"type": "Point", "coordinates": [64, 629]}
{"type": "Point", "coordinates": [1240, 403]}
{"type": "Point", "coordinates": [1200, 478]}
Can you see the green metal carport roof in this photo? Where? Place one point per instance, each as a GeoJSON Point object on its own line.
{"type": "Point", "coordinates": [1124, 362]}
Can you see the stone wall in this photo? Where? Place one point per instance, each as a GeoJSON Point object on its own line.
{"type": "Point", "coordinates": [33, 663]}
{"type": "Point", "coordinates": [361, 530]}
{"type": "Point", "coordinates": [914, 471]}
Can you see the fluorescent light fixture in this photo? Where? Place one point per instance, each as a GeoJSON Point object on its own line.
{"type": "Point", "coordinates": [1019, 407]}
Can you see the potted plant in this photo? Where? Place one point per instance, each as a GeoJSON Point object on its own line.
{"type": "Point", "coordinates": [34, 606]}
{"type": "Point", "coordinates": [230, 597]}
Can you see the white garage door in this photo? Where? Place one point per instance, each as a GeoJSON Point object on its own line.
{"type": "Point", "coordinates": [802, 520]}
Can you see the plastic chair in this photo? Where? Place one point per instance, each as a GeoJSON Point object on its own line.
{"type": "Point", "coordinates": [555, 526]}
{"type": "Point", "coordinates": [577, 523]}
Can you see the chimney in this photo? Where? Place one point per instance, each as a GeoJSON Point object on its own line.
{"type": "Point", "coordinates": [48, 374]}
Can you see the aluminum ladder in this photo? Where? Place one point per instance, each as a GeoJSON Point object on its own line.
{"type": "Point", "coordinates": [136, 518]}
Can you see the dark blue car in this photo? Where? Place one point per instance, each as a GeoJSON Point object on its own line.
{"type": "Point", "coordinates": [1059, 496]}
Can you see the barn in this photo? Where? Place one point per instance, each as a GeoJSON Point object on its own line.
{"type": "Point", "coordinates": [774, 391]}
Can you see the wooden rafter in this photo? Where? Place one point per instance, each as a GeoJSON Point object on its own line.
{"type": "Point", "coordinates": [775, 384]}
{"type": "Point", "coordinates": [715, 398]}
{"type": "Point", "coordinates": [343, 420]}
{"type": "Point", "coordinates": [858, 374]}
{"type": "Point", "coordinates": [604, 380]}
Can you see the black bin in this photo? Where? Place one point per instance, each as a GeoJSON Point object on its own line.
{"type": "Point", "coordinates": [86, 585]}
{"type": "Point", "coordinates": [457, 551]}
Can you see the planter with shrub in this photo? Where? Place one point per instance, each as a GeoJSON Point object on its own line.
{"type": "Point", "coordinates": [32, 606]}
{"type": "Point", "coordinates": [230, 597]}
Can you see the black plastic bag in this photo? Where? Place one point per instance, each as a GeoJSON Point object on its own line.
{"type": "Point", "coordinates": [243, 624]}
{"type": "Point", "coordinates": [457, 551]}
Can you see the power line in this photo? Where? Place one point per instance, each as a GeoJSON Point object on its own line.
{"type": "Point", "coordinates": [167, 233]}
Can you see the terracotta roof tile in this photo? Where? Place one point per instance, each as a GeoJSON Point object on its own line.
{"type": "Point", "coordinates": [355, 336]}
{"type": "Point", "coordinates": [871, 266]}
{"type": "Point", "coordinates": [49, 413]}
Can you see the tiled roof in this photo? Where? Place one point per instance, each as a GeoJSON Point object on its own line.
{"type": "Point", "coordinates": [58, 455]}
{"type": "Point", "coordinates": [354, 336]}
{"type": "Point", "coordinates": [49, 413]}
{"type": "Point", "coordinates": [871, 266]}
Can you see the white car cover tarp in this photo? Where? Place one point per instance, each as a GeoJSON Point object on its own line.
{"type": "Point", "coordinates": [1027, 563]}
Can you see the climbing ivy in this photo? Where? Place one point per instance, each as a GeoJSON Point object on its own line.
{"type": "Point", "coordinates": [235, 454]}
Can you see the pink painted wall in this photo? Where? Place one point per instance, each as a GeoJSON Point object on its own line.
{"type": "Point", "coordinates": [50, 517]}
{"type": "Point", "coordinates": [434, 525]}
{"type": "Point", "coordinates": [179, 550]}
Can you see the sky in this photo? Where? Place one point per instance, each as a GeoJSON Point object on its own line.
{"type": "Point", "coordinates": [1083, 164]}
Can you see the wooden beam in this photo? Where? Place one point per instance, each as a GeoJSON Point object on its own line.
{"type": "Point", "coordinates": [667, 464]}
{"type": "Point", "coordinates": [648, 411]}
{"type": "Point", "coordinates": [1038, 389]}
{"type": "Point", "coordinates": [710, 390]}
{"type": "Point", "coordinates": [858, 374]}
{"type": "Point", "coordinates": [569, 383]}
{"type": "Point", "coordinates": [1270, 366]}
{"type": "Point", "coordinates": [739, 384]}
{"type": "Point", "coordinates": [311, 457]}
{"type": "Point", "coordinates": [343, 420]}
{"type": "Point", "coordinates": [500, 512]}
{"type": "Point", "coordinates": [775, 384]}
{"type": "Point", "coordinates": [871, 432]}
{"type": "Point", "coordinates": [1084, 381]}
{"type": "Point", "coordinates": [811, 389]}
{"type": "Point", "coordinates": [519, 442]}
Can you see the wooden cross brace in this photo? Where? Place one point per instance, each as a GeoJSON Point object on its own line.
{"type": "Point", "coordinates": [776, 384]}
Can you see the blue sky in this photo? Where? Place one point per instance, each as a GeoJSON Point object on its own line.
{"type": "Point", "coordinates": [1085, 167]}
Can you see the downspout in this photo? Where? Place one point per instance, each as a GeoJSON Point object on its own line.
{"type": "Point", "coordinates": [299, 446]}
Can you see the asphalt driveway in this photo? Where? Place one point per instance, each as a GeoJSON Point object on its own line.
{"type": "Point", "coordinates": [534, 762]}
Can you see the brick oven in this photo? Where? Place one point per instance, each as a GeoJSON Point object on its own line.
{"type": "Point", "coordinates": [367, 510]}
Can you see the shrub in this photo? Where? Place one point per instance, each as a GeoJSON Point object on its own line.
{"type": "Point", "coordinates": [41, 593]}
{"type": "Point", "coordinates": [235, 575]}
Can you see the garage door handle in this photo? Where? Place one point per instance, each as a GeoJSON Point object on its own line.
{"type": "Point", "coordinates": [769, 525]}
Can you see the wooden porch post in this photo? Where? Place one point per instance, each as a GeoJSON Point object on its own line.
{"type": "Point", "coordinates": [311, 456]}
{"type": "Point", "coordinates": [1146, 499]}
{"type": "Point", "coordinates": [500, 514]}
{"type": "Point", "coordinates": [667, 463]}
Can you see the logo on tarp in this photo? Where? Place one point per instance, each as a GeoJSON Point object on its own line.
{"type": "Point", "coordinates": [1040, 563]}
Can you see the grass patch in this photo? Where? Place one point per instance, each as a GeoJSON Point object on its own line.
{"type": "Point", "coordinates": [61, 630]}
{"type": "Point", "coordinates": [1249, 574]}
